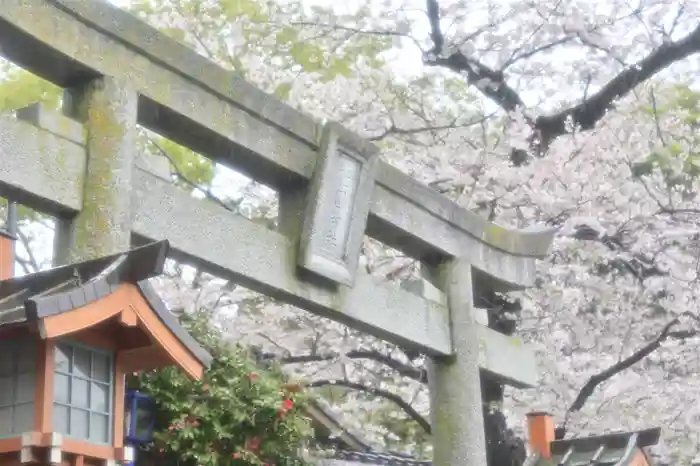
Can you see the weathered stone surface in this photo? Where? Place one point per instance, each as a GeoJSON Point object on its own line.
{"type": "Point", "coordinates": [271, 141]}
{"type": "Point", "coordinates": [500, 356]}
{"type": "Point", "coordinates": [155, 164]}
{"type": "Point", "coordinates": [506, 359]}
{"type": "Point", "coordinates": [107, 107]}
{"type": "Point", "coordinates": [455, 389]}
{"type": "Point", "coordinates": [264, 260]}
{"type": "Point", "coordinates": [134, 73]}
{"type": "Point", "coordinates": [40, 169]}
{"type": "Point", "coordinates": [224, 243]}
{"type": "Point", "coordinates": [39, 115]}
{"type": "Point", "coordinates": [337, 204]}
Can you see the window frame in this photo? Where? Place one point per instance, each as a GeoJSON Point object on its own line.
{"type": "Point", "coordinates": [24, 343]}
{"type": "Point", "coordinates": [71, 375]}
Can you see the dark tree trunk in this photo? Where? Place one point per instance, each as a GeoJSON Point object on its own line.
{"type": "Point", "coordinates": [503, 447]}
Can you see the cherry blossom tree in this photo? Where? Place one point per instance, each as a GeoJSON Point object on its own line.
{"type": "Point", "coordinates": [577, 114]}
{"type": "Point", "coordinates": [564, 113]}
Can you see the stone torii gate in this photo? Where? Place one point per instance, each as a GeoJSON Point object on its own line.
{"type": "Point", "coordinates": [82, 167]}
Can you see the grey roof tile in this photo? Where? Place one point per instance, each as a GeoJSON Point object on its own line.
{"type": "Point", "coordinates": [62, 289]}
{"type": "Point", "coordinates": [603, 450]}
{"type": "Point", "coordinates": [374, 458]}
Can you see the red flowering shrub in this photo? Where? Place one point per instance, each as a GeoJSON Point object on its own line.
{"type": "Point", "coordinates": [236, 415]}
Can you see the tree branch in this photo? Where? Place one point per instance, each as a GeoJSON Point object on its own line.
{"type": "Point", "coordinates": [433, 12]}
{"type": "Point", "coordinates": [622, 365]}
{"type": "Point", "coordinates": [640, 266]}
{"type": "Point", "coordinates": [405, 370]}
{"type": "Point", "coordinates": [490, 82]}
{"type": "Point", "coordinates": [589, 112]}
{"type": "Point", "coordinates": [31, 259]}
{"type": "Point", "coordinates": [393, 129]}
{"type": "Point", "coordinates": [400, 402]}
{"type": "Point", "coordinates": [181, 176]}
{"type": "Point", "coordinates": [586, 114]}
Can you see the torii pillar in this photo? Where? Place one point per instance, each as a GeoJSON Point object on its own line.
{"type": "Point", "coordinates": [455, 392]}
{"type": "Point", "coordinates": [454, 382]}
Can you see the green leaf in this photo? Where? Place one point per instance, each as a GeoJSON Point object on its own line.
{"type": "Point", "coordinates": [283, 90]}
{"type": "Point", "coordinates": [287, 35]}
{"type": "Point", "coordinates": [340, 67]}
{"type": "Point", "coordinates": [206, 421]}
{"type": "Point", "coordinates": [642, 168]}
{"type": "Point", "coordinates": [20, 88]}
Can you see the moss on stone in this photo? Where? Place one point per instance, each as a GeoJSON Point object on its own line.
{"type": "Point", "coordinates": [95, 230]}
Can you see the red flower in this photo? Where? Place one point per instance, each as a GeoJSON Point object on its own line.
{"type": "Point", "coordinates": [177, 426]}
{"type": "Point", "coordinates": [252, 376]}
{"type": "Point", "coordinates": [287, 405]}
{"type": "Point", "coordinates": [253, 444]}
{"type": "Point", "coordinates": [236, 455]}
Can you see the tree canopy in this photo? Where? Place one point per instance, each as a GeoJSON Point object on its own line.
{"type": "Point", "coordinates": [237, 414]}
{"type": "Point", "coordinates": [577, 114]}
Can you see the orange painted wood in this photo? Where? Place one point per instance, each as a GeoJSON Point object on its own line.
{"type": "Point", "coordinates": [16, 331]}
{"type": "Point", "coordinates": [43, 397]}
{"type": "Point", "coordinates": [540, 428]}
{"type": "Point", "coordinates": [9, 445]}
{"type": "Point", "coordinates": [119, 454]}
{"type": "Point", "coordinates": [38, 439]}
{"type": "Point", "coordinates": [118, 403]}
{"type": "Point", "coordinates": [178, 353]}
{"type": "Point", "coordinates": [97, 337]}
{"type": "Point", "coordinates": [9, 459]}
{"type": "Point", "coordinates": [7, 258]}
{"type": "Point", "coordinates": [87, 316]}
{"type": "Point", "coordinates": [88, 450]}
{"type": "Point", "coordinates": [144, 359]}
{"type": "Point", "coordinates": [84, 452]}
{"type": "Point", "coordinates": [131, 337]}
{"type": "Point", "coordinates": [640, 459]}
{"type": "Point", "coordinates": [125, 305]}
{"type": "Point", "coordinates": [128, 318]}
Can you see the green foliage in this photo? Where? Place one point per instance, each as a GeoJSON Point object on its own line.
{"type": "Point", "coordinates": [689, 101]}
{"type": "Point", "coordinates": [678, 159]}
{"type": "Point", "coordinates": [276, 33]}
{"type": "Point", "coordinates": [403, 432]}
{"type": "Point", "coordinates": [19, 88]}
{"type": "Point", "coordinates": [250, 8]}
{"type": "Point", "coordinates": [236, 415]}
{"type": "Point", "coordinates": [197, 169]}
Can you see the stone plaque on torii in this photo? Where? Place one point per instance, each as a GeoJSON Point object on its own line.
{"type": "Point", "coordinates": [120, 72]}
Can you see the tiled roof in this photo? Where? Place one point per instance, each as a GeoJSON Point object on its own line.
{"type": "Point", "coordinates": [35, 296]}
{"type": "Point", "coordinates": [604, 450]}
{"type": "Point", "coordinates": [378, 459]}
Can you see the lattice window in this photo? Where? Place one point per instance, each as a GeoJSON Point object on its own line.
{"type": "Point", "coordinates": [83, 392]}
{"type": "Point", "coordinates": [17, 386]}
